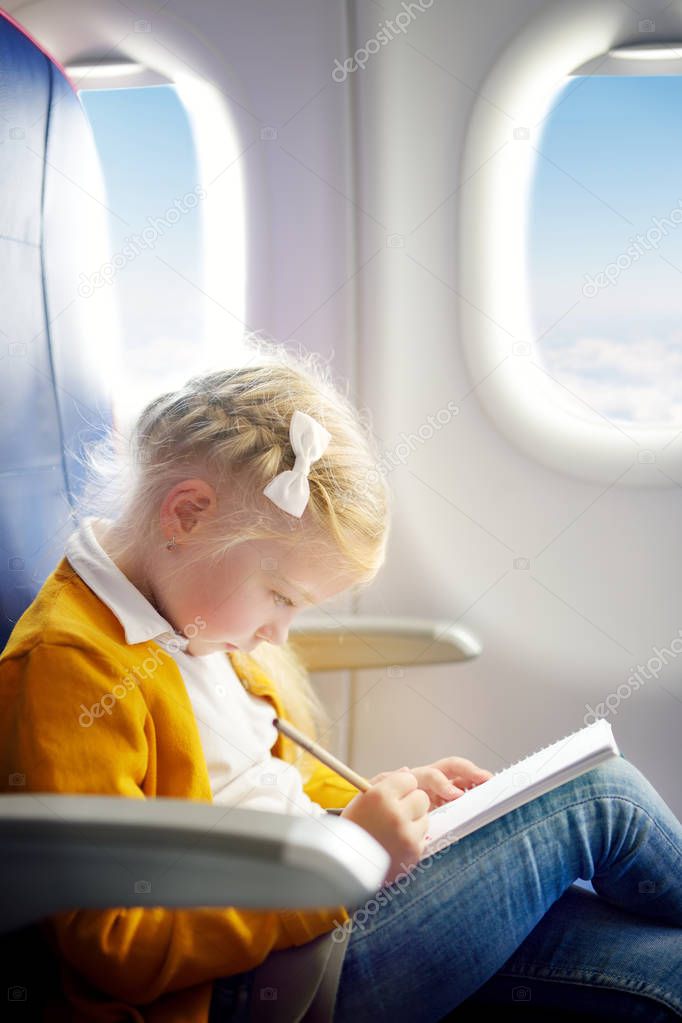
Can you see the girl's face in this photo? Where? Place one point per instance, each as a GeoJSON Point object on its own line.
{"type": "Point", "coordinates": [252, 594]}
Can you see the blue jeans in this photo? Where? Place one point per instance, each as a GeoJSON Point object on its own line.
{"type": "Point", "coordinates": [496, 919]}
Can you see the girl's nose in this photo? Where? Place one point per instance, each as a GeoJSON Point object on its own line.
{"type": "Point", "coordinates": [275, 634]}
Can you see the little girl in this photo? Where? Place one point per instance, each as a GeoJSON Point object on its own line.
{"type": "Point", "coordinates": [145, 667]}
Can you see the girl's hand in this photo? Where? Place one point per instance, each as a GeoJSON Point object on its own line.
{"type": "Point", "coordinates": [394, 811]}
{"type": "Point", "coordinates": [446, 779]}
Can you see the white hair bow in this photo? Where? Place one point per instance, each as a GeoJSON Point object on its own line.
{"type": "Point", "coordinates": [290, 489]}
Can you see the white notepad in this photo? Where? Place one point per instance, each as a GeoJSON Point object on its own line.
{"type": "Point", "coordinates": [518, 784]}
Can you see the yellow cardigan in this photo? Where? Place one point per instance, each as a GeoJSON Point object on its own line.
{"type": "Point", "coordinates": [66, 652]}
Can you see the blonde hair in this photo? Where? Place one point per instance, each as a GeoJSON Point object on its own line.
{"type": "Point", "coordinates": [230, 427]}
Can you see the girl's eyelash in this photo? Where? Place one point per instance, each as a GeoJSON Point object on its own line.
{"type": "Point", "coordinates": [290, 603]}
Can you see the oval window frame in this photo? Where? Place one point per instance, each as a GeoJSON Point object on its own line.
{"type": "Point", "coordinates": [533, 410]}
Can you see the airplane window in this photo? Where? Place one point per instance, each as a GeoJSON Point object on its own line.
{"type": "Point", "coordinates": [605, 245]}
{"type": "Point", "coordinates": [145, 145]}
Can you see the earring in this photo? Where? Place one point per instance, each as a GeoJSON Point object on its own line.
{"type": "Point", "coordinates": [171, 545]}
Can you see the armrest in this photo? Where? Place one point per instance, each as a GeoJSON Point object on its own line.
{"type": "Point", "coordinates": [61, 852]}
{"type": "Point", "coordinates": [337, 642]}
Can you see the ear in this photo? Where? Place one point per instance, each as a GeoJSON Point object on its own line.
{"type": "Point", "coordinates": [185, 506]}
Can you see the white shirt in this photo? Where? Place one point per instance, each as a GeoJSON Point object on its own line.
{"type": "Point", "coordinates": [236, 728]}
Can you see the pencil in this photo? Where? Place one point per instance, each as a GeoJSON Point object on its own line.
{"type": "Point", "coordinates": [322, 754]}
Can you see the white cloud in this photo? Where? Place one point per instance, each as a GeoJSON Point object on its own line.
{"type": "Point", "coordinates": [630, 381]}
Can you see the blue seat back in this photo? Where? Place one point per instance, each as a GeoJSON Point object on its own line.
{"type": "Point", "coordinates": [55, 392]}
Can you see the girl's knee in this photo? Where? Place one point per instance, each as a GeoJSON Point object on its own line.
{"type": "Point", "coordinates": [617, 776]}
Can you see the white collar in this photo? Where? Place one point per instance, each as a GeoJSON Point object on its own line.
{"type": "Point", "coordinates": [140, 620]}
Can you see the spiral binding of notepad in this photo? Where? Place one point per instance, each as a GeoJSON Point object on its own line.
{"type": "Point", "coordinates": [486, 802]}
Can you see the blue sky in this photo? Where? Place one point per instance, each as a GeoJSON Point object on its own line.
{"type": "Point", "coordinates": [147, 154]}
{"type": "Point", "coordinates": [609, 163]}
{"type": "Point", "coordinates": [610, 158]}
